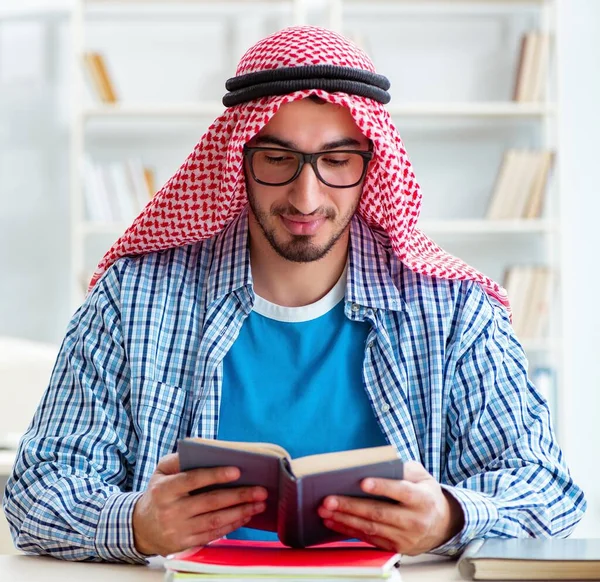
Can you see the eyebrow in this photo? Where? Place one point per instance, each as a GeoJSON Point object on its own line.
{"type": "Point", "coordinates": [284, 143]}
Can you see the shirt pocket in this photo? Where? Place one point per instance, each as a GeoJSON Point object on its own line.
{"type": "Point", "coordinates": [159, 417]}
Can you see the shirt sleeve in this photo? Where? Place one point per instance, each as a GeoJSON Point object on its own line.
{"type": "Point", "coordinates": [69, 494]}
{"type": "Point", "coordinates": [503, 464]}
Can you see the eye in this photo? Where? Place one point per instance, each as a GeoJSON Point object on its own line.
{"type": "Point", "coordinates": [336, 161]}
{"type": "Point", "coordinates": [277, 159]}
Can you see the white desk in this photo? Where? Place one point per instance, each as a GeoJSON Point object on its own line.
{"type": "Point", "coordinates": [42, 569]}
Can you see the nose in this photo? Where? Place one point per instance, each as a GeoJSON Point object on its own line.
{"type": "Point", "coordinates": [306, 192]}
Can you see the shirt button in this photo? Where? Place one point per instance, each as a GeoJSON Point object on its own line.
{"type": "Point", "coordinates": [370, 344]}
{"type": "Point", "coordinates": [451, 552]}
{"type": "Point", "coordinates": [385, 407]}
{"type": "Point", "coordinates": [355, 307]}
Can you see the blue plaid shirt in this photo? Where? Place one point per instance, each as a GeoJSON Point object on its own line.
{"type": "Point", "coordinates": [141, 367]}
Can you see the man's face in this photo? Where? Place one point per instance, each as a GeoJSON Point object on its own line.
{"type": "Point", "coordinates": [304, 219]}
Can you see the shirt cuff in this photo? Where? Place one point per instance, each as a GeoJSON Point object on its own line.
{"type": "Point", "coordinates": [114, 539]}
{"type": "Point", "coordinates": [480, 514]}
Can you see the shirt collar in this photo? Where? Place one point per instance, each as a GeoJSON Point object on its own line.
{"type": "Point", "coordinates": [370, 264]}
{"type": "Point", "coordinates": [371, 267]}
{"type": "Point", "coordinates": [230, 265]}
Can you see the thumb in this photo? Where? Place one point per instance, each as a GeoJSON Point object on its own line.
{"type": "Point", "coordinates": [415, 472]}
{"type": "Point", "coordinates": [168, 465]}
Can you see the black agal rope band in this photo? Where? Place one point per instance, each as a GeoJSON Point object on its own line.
{"type": "Point", "coordinates": [282, 81]}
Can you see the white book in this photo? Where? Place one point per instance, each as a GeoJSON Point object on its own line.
{"type": "Point", "coordinates": [514, 186]}
{"type": "Point", "coordinates": [529, 164]}
{"type": "Point", "coordinates": [137, 181]}
{"type": "Point", "coordinates": [107, 188]}
{"type": "Point", "coordinates": [544, 298]}
{"type": "Point", "coordinates": [538, 187]}
{"type": "Point", "coordinates": [497, 206]}
{"type": "Point", "coordinates": [518, 286]}
{"type": "Point", "coordinates": [124, 197]}
{"type": "Point", "coordinates": [95, 211]}
{"type": "Point", "coordinates": [527, 69]}
{"type": "Point", "coordinates": [539, 80]}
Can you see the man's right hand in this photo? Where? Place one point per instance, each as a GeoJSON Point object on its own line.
{"type": "Point", "coordinates": [167, 519]}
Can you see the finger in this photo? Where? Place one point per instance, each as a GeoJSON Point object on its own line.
{"type": "Point", "coordinates": [221, 499]}
{"type": "Point", "coordinates": [224, 518]}
{"type": "Point", "coordinates": [168, 465]}
{"type": "Point", "coordinates": [414, 472]}
{"type": "Point", "coordinates": [352, 533]}
{"type": "Point", "coordinates": [369, 509]}
{"type": "Point", "coordinates": [174, 487]}
{"type": "Point", "coordinates": [365, 527]}
{"type": "Point", "coordinates": [409, 494]}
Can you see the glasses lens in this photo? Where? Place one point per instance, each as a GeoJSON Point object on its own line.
{"type": "Point", "coordinates": [274, 166]}
{"type": "Point", "coordinates": [340, 169]}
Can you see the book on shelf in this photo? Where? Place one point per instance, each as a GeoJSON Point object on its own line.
{"type": "Point", "coordinates": [295, 487]}
{"type": "Point", "coordinates": [532, 68]}
{"type": "Point", "coordinates": [531, 559]}
{"type": "Point", "coordinates": [99, 77]}
{"type": "Point", "coordinates": [520, 185]}
{"type": "Point", "coordinates": [529, 292]}
{"type": "Point", "coordinates": [241, 559]}
{"type": "Point", "coordinates": [116, 191]}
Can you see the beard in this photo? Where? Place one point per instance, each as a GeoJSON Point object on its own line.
{"type": "Point", "coordinates": [301, 248]}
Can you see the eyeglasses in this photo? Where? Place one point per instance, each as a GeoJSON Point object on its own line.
{"type": "Point", "coordinates": [336, 168]}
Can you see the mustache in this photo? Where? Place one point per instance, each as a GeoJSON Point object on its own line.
{"type": "Point", "coordinates": [320, 212]}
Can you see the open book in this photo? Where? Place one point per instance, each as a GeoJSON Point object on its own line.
{"type": "Point", "coordinates": [295, 487]}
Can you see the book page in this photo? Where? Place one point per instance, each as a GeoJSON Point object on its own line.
{"type": "Point", "coordinates": [270, 449]}
{"type": "Point", "coordinates": [326, 462]}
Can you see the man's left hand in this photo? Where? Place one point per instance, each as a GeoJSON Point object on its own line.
{"type": "Point", "coordinates": [424, 517]}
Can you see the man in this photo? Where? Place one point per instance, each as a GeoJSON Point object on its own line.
{"type": "Point", "coordinates": [276, 289]}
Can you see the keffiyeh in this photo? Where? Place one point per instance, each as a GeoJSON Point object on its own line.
{"type": "Point", "coordinates": [209, 191]}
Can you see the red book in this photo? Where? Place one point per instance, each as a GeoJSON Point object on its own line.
{"type": "Point", "coordinates": [240, 557]}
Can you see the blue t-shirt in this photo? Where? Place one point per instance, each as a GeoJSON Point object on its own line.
{"type": "Point", "coordinates": [294, 378]}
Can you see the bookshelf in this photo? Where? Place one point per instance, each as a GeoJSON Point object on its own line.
{"type": "Point", "coordinates": [102, 132]}
{"type": "Point", "coordinates": [461, 101]}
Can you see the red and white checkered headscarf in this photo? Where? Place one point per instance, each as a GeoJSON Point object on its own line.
{"type": "Point", "coordinates": [209, 191]}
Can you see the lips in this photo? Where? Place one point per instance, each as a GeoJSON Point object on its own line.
{"type": "Point", "coordinates": [302, 226]}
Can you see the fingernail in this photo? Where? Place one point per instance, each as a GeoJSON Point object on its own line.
{"type": "Point", "coordinates": [231, 473]}
{"type": "Point", "coordinates": [259, 494]}
{"type": "Point", "coordinates": [259, 507]}
{"type": "Point", "coordinates": [368, 485]}
{"type": "Point", "coordinates": [331, 504]}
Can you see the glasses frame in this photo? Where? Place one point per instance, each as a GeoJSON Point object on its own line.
{"type": "Point", "coordinates": [307, 158]}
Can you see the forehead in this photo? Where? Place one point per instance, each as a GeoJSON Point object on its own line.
{"type": "Point", "coordinates": [308, 123]}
